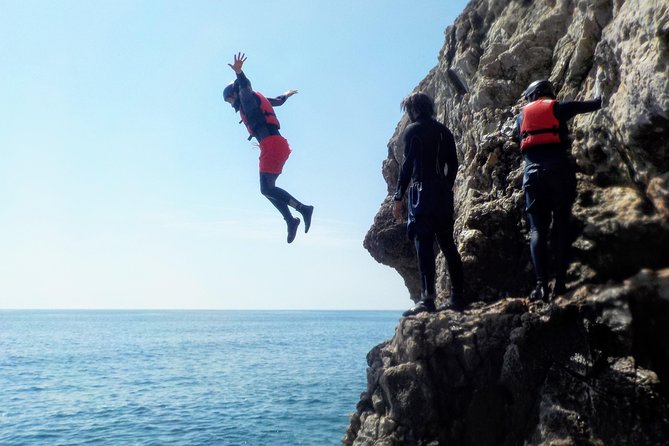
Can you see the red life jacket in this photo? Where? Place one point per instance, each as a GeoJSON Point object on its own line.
{"type": "Point", "coordinates": [539, 126]}
{"type": "Point", "coordinates": [268, 112]}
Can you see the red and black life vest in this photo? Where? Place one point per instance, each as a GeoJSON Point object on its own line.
{"type": "Point", "coordinates": [539, 126]}
{"type": "Point", "coordinates": [267, 110]}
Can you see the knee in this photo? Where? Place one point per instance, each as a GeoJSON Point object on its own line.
{"type": "Point", "coordinates": [537, 235]}
{"type": "Point", "coordinates": [539, 222]}
{"type": "Point", "coordinates": [265, 188]}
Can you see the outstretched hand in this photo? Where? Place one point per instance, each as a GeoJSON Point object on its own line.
{"type": "Point", "coordinates": [238, 62]}
{"type": "Point", "coordinates": [289, 93]}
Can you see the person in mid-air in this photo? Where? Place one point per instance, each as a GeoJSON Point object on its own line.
{"type": "Point", "coordinates": [430, 165]}
{"type": "Point", "coordinates": [549, 179]}
{"type": "Point", "coordinates": [258, 115]}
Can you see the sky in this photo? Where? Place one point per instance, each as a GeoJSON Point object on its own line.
{"type": "Point", "coordinates": [126, 182]}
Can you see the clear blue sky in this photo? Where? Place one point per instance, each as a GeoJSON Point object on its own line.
{"type": "Point", "coordinates": [127, 182]}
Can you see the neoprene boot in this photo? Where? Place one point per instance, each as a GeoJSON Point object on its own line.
{"type": "Point", "coordinates": [455, 302]}
{"type": "Point", "coordinates": [559, 289]}
{"type": "Point", "coordinates": [306, 212]}
{"type": "Point", "coordinates": [423, 306]}
{"type": "Point", "coordinates": [540, 292]}
{"type": "Point", "coordinates": [292, 228]}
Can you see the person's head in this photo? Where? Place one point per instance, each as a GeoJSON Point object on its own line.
{"type": "Point", "coordinates": [539, 89]}
{"type": "Point", "coordinates": [418, 105]}
{"type": "Point", "coordinates": [230, 94]}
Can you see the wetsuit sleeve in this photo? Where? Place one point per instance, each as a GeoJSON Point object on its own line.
{"type": "Point", "coordinates": [564, 111]}
{"type": "Point", "coordinates": [277, 101]}
{"type": "Point", "coordinates": [250, 103]}
{"type": "Point", "coordinates": [243, 81]}
{"type": "Point", "coordinates": [515, 136]}
{"type": "Point", "coordinates": [248, 100]}
{"type": "Point", "coordinates": [451, 157]}
{"type": "Point", "coordinates": [406, 170]}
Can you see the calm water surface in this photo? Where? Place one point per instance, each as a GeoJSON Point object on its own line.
{"type": "Point", "coordinates": [183, 377]}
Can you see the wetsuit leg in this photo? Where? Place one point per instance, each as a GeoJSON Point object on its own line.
{"type": "Point", "coordinates": [453, 260]}
{"type": "Point", "coordinates": [539, 216]}
{"type": "Point", "coordinates": [563, 192]}
{"type": "Point", "coordinates": [561, 242]}
{"type": "Point", "coordinates": [424, 242]}
{"type": "Point", "coordinates": [539, 222]}
{"type": "Point", "coordinates": [277, 196]}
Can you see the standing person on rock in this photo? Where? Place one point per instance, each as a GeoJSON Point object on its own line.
{"type": "Point", "coordinates": [257, 113]}
{"type": "Point", "coordinates": [549, 179]}
{"type": "Point", "coordinates": [431, 165]}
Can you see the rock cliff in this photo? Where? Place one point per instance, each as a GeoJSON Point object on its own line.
{"type": "Point", "coordinates": [507, 372]}
{"type": "Point", "coordinates": [588, 370]}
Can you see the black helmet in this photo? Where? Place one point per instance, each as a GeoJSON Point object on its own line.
{"type": "Point", "coordinates": [538, 89]}
{"type": "Point", "coordinates": [230, 89]}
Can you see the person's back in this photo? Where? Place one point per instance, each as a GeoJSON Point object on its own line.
{"type": "Point", "coordinates": [430, 164]}
{"type": "Point", "coordinates": [435, 140]}
{"type": "Point", "coordinates": [543, 135]}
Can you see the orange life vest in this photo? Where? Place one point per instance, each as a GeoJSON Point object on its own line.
{"type": "Point", "coordinates": [268, 113]}
{"type": "Point", "coordinates": [539, 126]}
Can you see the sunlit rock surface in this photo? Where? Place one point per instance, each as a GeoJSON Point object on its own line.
{"type": "Point", "coordinates": [591, 368]}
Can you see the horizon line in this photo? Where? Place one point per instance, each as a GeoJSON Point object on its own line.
{"type": "Point", "coordinates": [204, 309]}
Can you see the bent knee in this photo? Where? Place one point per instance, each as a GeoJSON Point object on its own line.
{"type": "Point", "coordinates": [266, 189]}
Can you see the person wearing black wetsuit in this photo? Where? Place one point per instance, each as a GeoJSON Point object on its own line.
{"type": "Point", "coordinates": [258, 115]}
{"type": "Point", "coordinates": [549, 179]}
{"type": "Point", "coordinates": [431, 165]}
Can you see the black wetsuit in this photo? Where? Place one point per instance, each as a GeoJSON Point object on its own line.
{"type": "Point", "coordinates": [549, 184]}
{"type": "Point", "coordinates": [429, 148]}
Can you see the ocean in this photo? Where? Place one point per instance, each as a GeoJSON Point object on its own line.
{"type": "Point", "coordinates": [267, 378]}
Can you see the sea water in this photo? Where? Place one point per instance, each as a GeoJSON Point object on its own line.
{"type": "Point", "coordinates": [183, 377]}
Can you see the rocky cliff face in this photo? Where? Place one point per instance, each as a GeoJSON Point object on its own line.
{"type": "Point", "coordinates": [492, 52]}
{"type": "Point", "coordinates": [588, 370]}
{"type": "Point", "coordinates": [591, 368]}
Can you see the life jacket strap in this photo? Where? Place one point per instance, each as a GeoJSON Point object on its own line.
{"type": "Point", "coordinates": [554, 130]}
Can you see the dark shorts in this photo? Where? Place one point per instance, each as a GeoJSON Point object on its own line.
{"type": "Point", "coordinates": [549, 190]}
{"type": "Point", "coordinates": [274, 152]}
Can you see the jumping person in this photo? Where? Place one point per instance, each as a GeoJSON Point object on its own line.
{"type": "Point", "coordinates": [258, 115]}
{"type": "Point", "coordinates": [549, 179]}
{"type": "Point", "coordinates": [431, 165]}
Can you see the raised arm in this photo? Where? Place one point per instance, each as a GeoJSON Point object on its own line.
{"type": "Point", "coordinates": [564, 111]}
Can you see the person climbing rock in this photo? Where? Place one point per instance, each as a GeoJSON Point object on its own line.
{"type": "Point", "coordinates": [257, 113]}
{"type": "Point", "coordinates": [431, 165]}
{"type": "Point", "coordinates": [549, 179]}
